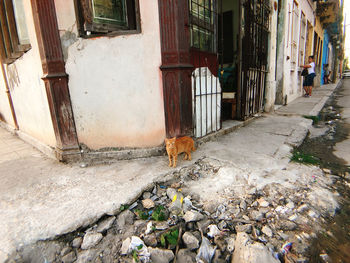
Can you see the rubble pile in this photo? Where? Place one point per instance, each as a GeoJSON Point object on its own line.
{"type": "Point", "coordinates": [168, 224]}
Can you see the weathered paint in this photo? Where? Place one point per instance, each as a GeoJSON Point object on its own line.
{"type": "Point", "coordinates": [270, 86]}
{"type": "Point", "coordinates": [325, 55]}
{"type": "Point", "coordinates": [114, 82]}
{"type": "Point", "coordinates": [28, 90]}
{"type": "Point", "coordinates": [319, 30]}
{"type": "Point", "coordinates": [289, 85]}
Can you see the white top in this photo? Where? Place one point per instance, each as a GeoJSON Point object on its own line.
{"type": "Point", "coordinates": [312, 68]}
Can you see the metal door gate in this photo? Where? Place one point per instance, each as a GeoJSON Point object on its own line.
{"type": "Point", "coordinates": [256, 14]}
{"type": "Point", "coordinates": [206, 88]}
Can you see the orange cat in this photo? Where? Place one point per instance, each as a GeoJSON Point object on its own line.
{"type": "Point", "coordinates": [175, 146]}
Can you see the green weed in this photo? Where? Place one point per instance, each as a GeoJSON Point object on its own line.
{"type": "Point", "coordinates": [141, 214]}
{"type": "Point", "coordinates": [304, 158]}
{"type": "Point", "coordinates": [170, 237]}
{"type": "Point", "coordinates": [159, 213]}
{"type": "Point", "coordinates": [315, 119]}
{"type": "Point", "coordinates": [124, 207]}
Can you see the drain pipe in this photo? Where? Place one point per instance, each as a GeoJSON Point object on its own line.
{"type": "Point", "coordinates": [9, 96]}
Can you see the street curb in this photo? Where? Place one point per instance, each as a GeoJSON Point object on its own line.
{"type": "Point", "coordinates": [318, 107]}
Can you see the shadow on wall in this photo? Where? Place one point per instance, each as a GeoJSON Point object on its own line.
{"type": "Point", "coordinates": [2, 117]}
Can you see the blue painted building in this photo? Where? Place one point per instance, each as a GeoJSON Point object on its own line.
{"type": "Point", "coordinates": [325, 55]}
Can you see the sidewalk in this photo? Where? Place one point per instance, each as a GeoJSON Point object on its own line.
{"type": "Point", "coordinates": [41, 198]}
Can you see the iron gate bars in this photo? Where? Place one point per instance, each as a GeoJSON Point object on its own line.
{"type": "Point", "coordinates": [206, 88]}
{"type": "Point", "coordinates": [254, 55]}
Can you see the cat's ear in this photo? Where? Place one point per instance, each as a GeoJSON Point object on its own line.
{"type": "Point", "coordinates": [166, 140]}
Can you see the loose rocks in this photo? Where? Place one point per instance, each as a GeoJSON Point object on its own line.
{"type": "Point", "coordinates": [246, 252]}
{"type": "Point", "coordinates": [185, 256]}
{"type": "Point", "coordinates": [105, 224]}
{"type": "Point", "coordinates": [192, 216]}
{"type": "Point", "coordinates": [190, 240]}
{"type": "Point", "coordinates": [161, 255]}
{"type": "Point", "coordinates": [267, 231]}
{"type": "Point", "coordinates": [90, 240]}
{"type": "Point", "coordinates": [77, 242]}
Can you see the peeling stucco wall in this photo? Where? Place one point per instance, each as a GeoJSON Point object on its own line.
{"type": "Point", "coordinates": [288, 80]}
{"type": "Point", "coordinates": [28, 91]}
{"type": "Point", "coordinates": [270, 87]}
{"type": "Point", "coordinates": [115, 82]}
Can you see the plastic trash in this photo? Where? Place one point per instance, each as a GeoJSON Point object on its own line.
{"type": "Point", "coordinates": [140, 248]}
{"type": "Point", "coordinates": [133, 206]}
{"type": "Point", "coordinates": [176, 204]}
{"type": "Point", "coordinates": [187, 204]}
{"type": "Point", "coordinates": [325, 258]}
{"type": "Point", "coordinates": [286, 248]}
{"type": "Point", "coordinates": [213, 231]}
{"type": "Point", "coordinates": [206, 251]}
{"type": "Point", "coordinates": [149, 228]}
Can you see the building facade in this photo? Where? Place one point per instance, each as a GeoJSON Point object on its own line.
{"type": "Point", "coordinates": [102, 76]}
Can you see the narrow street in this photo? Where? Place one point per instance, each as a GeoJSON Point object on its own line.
{"type": "Point", "coordinates": [332, 148]}
{"type": "Point", "coordinates": [242, 203]}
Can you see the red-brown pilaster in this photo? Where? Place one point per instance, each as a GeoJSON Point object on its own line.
{"type": "Point", "coordinates": [55, 78]}
{"type": "Point", "coordinates": [176, 67]}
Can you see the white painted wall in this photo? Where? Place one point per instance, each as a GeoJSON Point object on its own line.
{"type": "Point", "coordinates": [28, 91]}
{"type": "Point", "coordinates": [115, 82]}
{"type": "Point", "coordinates": [5, 110]}
{"type": "Point", "coordinates": [270, 86]}
{"type": "Point", "coordinates": [290, 71]}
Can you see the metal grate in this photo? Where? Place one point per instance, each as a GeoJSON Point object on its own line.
{"type": "Point", "coordinates": [206, 88]}
{"type": "Point", "coordinates": [254, 55]}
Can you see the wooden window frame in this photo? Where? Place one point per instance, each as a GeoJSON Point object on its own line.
{"type": "Point", "coordinates": [89, 29]}
{"type": "Point", "coordinates": [10, 47]}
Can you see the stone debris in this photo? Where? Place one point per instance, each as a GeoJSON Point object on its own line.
{"type": "Point", "coordinates": [105, 224]}
{"type": "Point", "coordinates": [168, 222]}
{"type": "Point", "coordinates": [247, 251]}
{"type": "Point", "coordinates": [159, 255]}
{"type": "Point", "coordinates": [69, 258]}
{"type": "Point", "coordinates": [267, 231]}
{"type": "Point", "coordinates": [302, 208]}
{"type": "Point", "coordinates": [90, 240]}
{"type": "Point", "coordinates": [148, 203]}
{"type": "Point", "coordinates": [192, 216]}
{"type": "Point", "coordinates": [263, 203]}
{"type": "Point", "coordinates": [190, 241]}
{"type": "Point", "coordinates": [185, 256]}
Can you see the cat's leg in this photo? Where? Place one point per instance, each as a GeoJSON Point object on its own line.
{"type": "Point", "coordinates": [189, 156]}
{"type": "Point", "coordinates": [186, 156]}
{"type": "Point", "coordinates": [170, 163]}
{"type": "Point", "coordinates": [174, 161]}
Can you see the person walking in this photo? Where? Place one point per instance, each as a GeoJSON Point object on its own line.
{"type": "Point", "coordinates": [309, 79]}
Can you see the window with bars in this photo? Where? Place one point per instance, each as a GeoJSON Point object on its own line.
{"type": "Point", "coordinates": [13, 30]}
{"type": "Point", "coordinates": [295, 23]}
{"type": "Point", "coordinates": [203, 18]}
{"type": "Point", "coordinates": [302, 39]}
{"type": "Point", "coordinates": [100, 17]}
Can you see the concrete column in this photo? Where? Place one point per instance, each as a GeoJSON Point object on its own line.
{"type": "Point", "coordinates": [282, 28]}
{"type": "Point", "coordinates": [270, 87]}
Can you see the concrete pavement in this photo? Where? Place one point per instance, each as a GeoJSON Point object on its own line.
{"type": "Point", "coordinates": [342, 148]}
{"type": "Point", "coordinates": [41, 198]}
